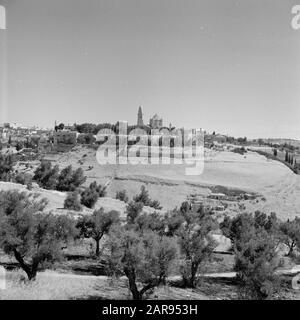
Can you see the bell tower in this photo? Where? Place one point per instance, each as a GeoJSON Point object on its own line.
{"type": "Point", "coordinates": [140, 121]}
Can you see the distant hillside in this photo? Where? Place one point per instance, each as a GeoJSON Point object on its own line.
{"type": "Point", "coordinates": [293, 142]}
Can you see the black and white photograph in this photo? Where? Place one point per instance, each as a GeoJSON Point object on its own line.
{"type": "Point", "coordinates": [149, 151]}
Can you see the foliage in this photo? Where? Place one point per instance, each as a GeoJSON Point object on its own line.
{"type": "Point", "coordinates": [46, 175]}
{"type": "Point", "coordinates": [6, 167]}
{"type": "Point", "coordinates": [255, 239]}
{"type": "Point", "coordinates": [96, 225]}
{"type": "Point", "coordinates": [146, 259]}
{"type": "Point", "coordinates": [122, 196]}
{"type": "Point", "coordinates": [196, 243]}
{"type": "Point", "coordinates": [90, 195]}
{"type": "Point", "coordinates": [133, 210]}
{"type": "Point", "coordinates": [30, 235]}
{"type": "Point", "coordinates": [69, 179]}
{"type": "Point", "coordinates": [24, 178]}
{"type": "Point", "coordinates": [291, 234]}
{"type": "Point", "coordinates": [72, 201]}
{"type": "Point", "coordinates": [144, 198]}
{"type": "Point", "coordinates": [255, 263]}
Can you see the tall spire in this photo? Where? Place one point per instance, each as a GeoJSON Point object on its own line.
{"type": "Point", "coordinates": [140, 121]}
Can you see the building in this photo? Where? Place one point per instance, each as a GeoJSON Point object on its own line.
{"type": "Point", "coordinates": [156, 122]}
{"type": "Point", "coordinates": [140, 121]}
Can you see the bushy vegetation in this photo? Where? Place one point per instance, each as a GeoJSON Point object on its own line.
{"type": "Point", "coordinates": [72, 201]}
{"type": "Point", "coordinates": [46, 175]}
{"type": "Point", "coordinates": [146, 259]}
{"type": "Point", "coordinates": [50, 178]}
{"type": "Point", "coordinates": [6, 167]}
{"type": "Point", "coordinates": [24, 178]}
{"type": "Point", "coordinates": [255, 239]}
{"type": "Point", "coordinates": [69, 179]}
{"type": "Point", "coordinates": [122, 196]}
{"type": "Point", "coordinates": [143, 197]}
{"type": "Point", "coordinates": [91, 194]}
{"type": "Point", "coordinates": [30, 235]}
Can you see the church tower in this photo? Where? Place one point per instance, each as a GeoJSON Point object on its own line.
{"type": "Point", "coordinates": [140, 122]}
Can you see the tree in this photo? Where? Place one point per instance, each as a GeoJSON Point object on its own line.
{"type": "Point", "coordinates": [61, 126]}
{"type": "Point", "coordinates": [286, 157]}
{"type": "Point", "coordinates": [133, 210]}
{"type": "Point", "coordinates": [146, 259]}
{"type": "Point", "coordinates": [89, 197]}
{"type": "Point", "coordinates": [153, 221]}
{"type": "Point", "coordinates": [6, 167]}
{"type": "Point", "coordinates": [196, 244]}
{"type": "Point", "coordinates": [101, 190]}
{"type": "Point", "coordinates": [91, 194]}
{"type": "Point", "coordinates": [291, 233]}
{"type": "Point", "coordinates": [144, 198]}
{"type": "Point", "coordinates": [19, 145]}
{"type": "Point", "coordinates": [254, 239]}
{"type": "Point", "coordinates": [24, 178]}
{"type": "Point", "coordinates": [70, 180]}
{"type": "Point", "coordinates": [97, 225]}
{"type": "Point", "coordinates": [122, 196]}
{"type": "Point", "coordinates": [72, 201]}
{"type": "Point", "coordinates": [255, 263]}
{"type": "Point", "coordinates": [30, 235]}
{"type": "Point", "coordinates": [46, 175]}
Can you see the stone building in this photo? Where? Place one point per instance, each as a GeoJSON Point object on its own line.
{"type": "Point", "coordinates": [156, 122]}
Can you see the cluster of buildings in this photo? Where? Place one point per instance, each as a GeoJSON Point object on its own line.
{"type": "Point", "coordinates": [155, 122]}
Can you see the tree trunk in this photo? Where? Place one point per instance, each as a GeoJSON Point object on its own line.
{"type": "Point", "coordinates": [189, 280]}
{"type": "Point", "coordinates": [132, 285]}
{"type": "Point", "coordinates": [97, 247]}
{"type": "Point", "coordinates": [31, 271]}
{"type": "Point", "coordinates": [291, 249]}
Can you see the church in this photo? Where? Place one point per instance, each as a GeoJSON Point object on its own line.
{"type": "Point", "coordinates": [155, 122]}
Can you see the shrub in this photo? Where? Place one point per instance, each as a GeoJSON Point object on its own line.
{"type": "Point", "coordinates": [101, 190]}
{"type": "Point", "coordinates": [133, 210]}
{"type": "Point", "coordinates": [144, 198]}
{"type": "Point", "coordinates": [122, 196]}
{"type": "Point", "coordinates": [46, 175]}
{"type": "Point", "coordinates": [89, 197]}
{"type": "Point", "coordinates": [25, 179]}
{"type": "Point", "coordinates": [70, 180]}
{"type": "Point", "coordinates": [6, 167]}
{"type": "Point", "coordinates": [72, 201]}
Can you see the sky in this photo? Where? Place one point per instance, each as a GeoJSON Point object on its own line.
{"type": "Point", "coordinates": [230, 66]}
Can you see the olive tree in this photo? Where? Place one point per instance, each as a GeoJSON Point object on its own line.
{"type": "Point", "coordinates": [30, 235]}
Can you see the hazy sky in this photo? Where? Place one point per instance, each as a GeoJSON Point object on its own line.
{"type": "Point", "coordinates": [232, 66]}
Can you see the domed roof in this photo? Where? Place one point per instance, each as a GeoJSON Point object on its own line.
{"type": "Point", "coordinates": [156, 117]}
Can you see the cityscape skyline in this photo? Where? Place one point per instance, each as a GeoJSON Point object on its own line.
{"type": "Point", "coordinates": [233, 71]}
